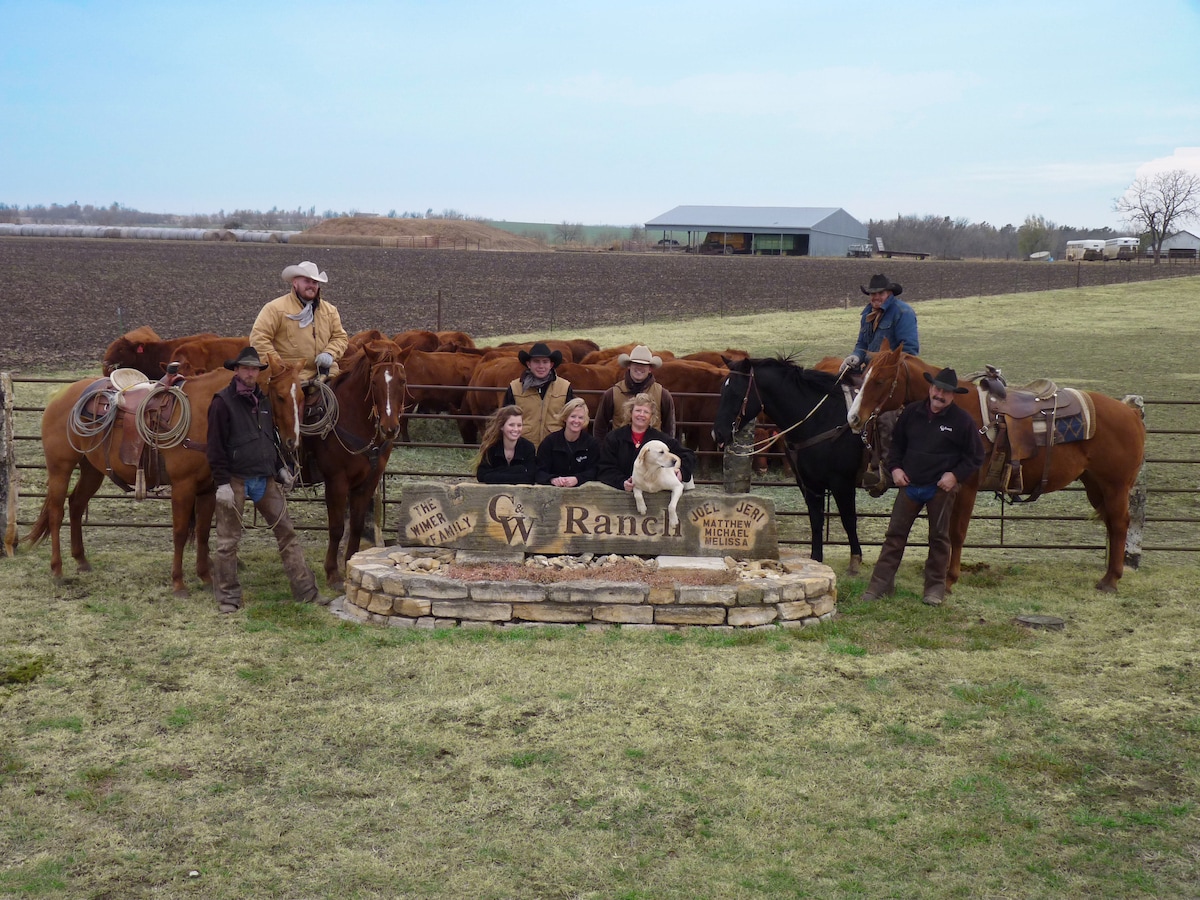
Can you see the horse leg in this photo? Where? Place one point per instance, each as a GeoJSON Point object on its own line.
{"type": "Point", "coordinates": [337, 490]}
{"type": "Point", "coordinates": [960, 521]}
{"type": "Point", "coordinates": [360, 506]}
{"type": "Point", "coordinates": [90, 479]}
{"type": "Point", "coordinates": [814, 501]}
{"type": "Point", "coordinates": [843, 496]}
{"type": "Point", "coordinates": [205, 506]}
{"type": "Point", "coordinates": [183, 503]}
{"type": "Point", "coordinates": [1112, 504]}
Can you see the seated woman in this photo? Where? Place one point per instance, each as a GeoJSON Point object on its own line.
{"type": "Point", "coordinates": [569, 457]}
{"type": "Point", "coordinates": [504, 456]}
{"type": "Point", "coordinates": [621, 446]}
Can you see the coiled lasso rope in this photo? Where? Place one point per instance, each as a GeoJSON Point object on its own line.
{"type": "Point", "coordinates": [173, 435]}
{"type": "Point", "coordinates": [91, 426]}
{"type": "Point", "coordinates": [325, 424]}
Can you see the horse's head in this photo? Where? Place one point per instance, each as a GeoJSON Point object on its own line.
{"type": "Point", "coordinates": [739, 403]}
{"type": "Point", "coordinates": [285, 393]}
{"type": "Point", "coordinates": [387, 386]}
{"type": "Point", "coordinates": [881, 388]}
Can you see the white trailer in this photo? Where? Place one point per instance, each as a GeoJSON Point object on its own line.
{"type": "Point", "coordinates": [1085, 250]}
{"type": "Point", "coordinates": [1121, 248]}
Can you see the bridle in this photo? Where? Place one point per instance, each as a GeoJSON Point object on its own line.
{"type": "Point", "coordinates": [739, 420]}
{"type": "Point", "coordinates": [868, 422]}
{"type": "Point", "coordinates": [379, 437]}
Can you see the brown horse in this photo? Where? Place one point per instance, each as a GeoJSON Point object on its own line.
{"type": "Point", "coordinates": [186, 469]}
{"type": "Point", "coordinates": [1107, 463]}
{"type": "Point", "coordinates": [352, 457]}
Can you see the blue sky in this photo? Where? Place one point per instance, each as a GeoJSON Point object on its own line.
{"type": "Point", "coordinates": [602, 112]}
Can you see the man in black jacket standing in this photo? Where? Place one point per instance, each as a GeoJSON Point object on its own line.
{"type": "Point", "coordinates": [934, 447]}
{"type": "Point", "coordinates": [243, 453]}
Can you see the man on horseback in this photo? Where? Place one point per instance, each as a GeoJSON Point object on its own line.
{"type": "Point", "coordinates": [935, 446]}
{"type": "Point", "coordinates": [300, 328]}
{"type": "Point", "coordinates": [243, 454]}
{"type": "Point", "coordinates": [884, 317]}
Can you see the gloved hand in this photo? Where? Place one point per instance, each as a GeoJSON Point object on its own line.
{"type": "Point", "coordinates": [225, 494]}
{"type": "Point", "coordinates": [324, 361]}
{"type": "Point", "coordinates": [850, 362]}
{"type": "Point", "coordinates": [287, 480]}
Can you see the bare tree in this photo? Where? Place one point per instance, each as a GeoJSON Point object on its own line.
{"type": "Point", "coordinates": [569, 232]}
{"type": "Point", "coordinates": [1155, 204]}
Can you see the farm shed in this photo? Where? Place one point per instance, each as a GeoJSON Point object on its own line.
{"type": "Point", "coordinates": [763, 230]}
{"type": "Point", "coordinates": [1180, 245]}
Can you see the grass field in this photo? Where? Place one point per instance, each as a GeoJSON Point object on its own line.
{"type": "Point", "coordinates": [151, 748]}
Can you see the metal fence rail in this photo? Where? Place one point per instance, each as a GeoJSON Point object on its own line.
{"type": "Point", "coordinates": [996, 524]}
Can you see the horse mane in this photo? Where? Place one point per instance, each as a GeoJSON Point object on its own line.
{"type": "Point", "coordinates": [795, 374]}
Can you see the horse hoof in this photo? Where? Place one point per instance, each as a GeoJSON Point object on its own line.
{"type": "Point", "coordinates": [1105, 587]}
{"type": "Point", "coordinates": [855, 565]}
{"type": "Point", "coordinates": [180, 593]}
{"type": "Point", "coordinates": [84, 566]}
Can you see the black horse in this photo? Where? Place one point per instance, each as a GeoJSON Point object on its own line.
{"type": "Point", "coordinates": [809, 408]}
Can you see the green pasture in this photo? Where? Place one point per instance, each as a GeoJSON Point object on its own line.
{"type": "Point", "coordinates": [152, 748]}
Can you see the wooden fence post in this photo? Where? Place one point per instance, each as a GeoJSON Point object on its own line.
{"type": "Point", "coordinates": [1137, 502]}
{"type": "Point", "coordinates": [8, 468]}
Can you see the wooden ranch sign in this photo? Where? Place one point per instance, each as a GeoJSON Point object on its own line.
{"type": "Point", "coordinates": [592, 518]}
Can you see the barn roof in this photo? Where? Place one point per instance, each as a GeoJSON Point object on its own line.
{"type": "Point", "coordinates": [748, 217]}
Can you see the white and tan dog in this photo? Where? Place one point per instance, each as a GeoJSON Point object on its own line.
{"type": "Point", "coordinates": [658, 469]}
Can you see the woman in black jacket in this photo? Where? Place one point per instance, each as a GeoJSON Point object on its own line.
{"type": "Point", "coordinates": [569, 457]}
{"type": "Point", "coordinates": [504, 456]}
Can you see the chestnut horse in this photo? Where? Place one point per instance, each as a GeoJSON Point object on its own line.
{"type": "Point", "coordinates": [1107, 464]}
{"type": "Point", "coordinates": [187, 471]}
{"type": "Point", "coordinates": [809, 407]}
{"type": "Point", "coordinates": [351, 458]}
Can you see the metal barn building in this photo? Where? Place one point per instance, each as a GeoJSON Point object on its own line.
{"type": "Point", "coordinates": [761, 230]}
{"type": "Point", "coordinates": [1180, 245]}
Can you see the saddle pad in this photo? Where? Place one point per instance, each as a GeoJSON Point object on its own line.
{"type": "Point", "coordinates": [1069, 429]}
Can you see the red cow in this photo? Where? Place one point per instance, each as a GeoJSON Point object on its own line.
{"type": "Point", "coordinates": [437, 382]}
{"type": "Point", "coordinates": [206, 354]}
{"type": "Point", "coordinates": [144, 350]}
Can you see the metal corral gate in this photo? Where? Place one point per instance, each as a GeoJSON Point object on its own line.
{"type": "Point", "coordinates": [1167, 501]}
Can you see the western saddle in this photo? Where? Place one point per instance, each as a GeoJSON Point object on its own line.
{"type": "Point", "coordinates": [1019, 421]}
{"type": "Point", "coordinates": [140, 411]}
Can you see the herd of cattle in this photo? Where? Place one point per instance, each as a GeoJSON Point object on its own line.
{"type": "Point", "coordinates": [449, 375]}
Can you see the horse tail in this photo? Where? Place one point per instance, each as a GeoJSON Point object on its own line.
{"type": "Point", "coordinates": [41, 526]}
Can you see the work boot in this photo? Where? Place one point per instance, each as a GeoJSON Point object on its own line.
{"type": "Point", "coordinates": [934, 596]}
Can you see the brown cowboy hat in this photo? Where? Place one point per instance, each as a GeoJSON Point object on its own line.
{"type": "Point", "coordinates": [947, 380]}
{"type": "Point", "coordinates": [540, 350]}
{"type": "Point", "coordinates": [248, 357]}
{"type": "Point", "coordinates": [881, 283]}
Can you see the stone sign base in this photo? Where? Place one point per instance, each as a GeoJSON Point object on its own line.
{"type": "Point", "coordinates": [393, 586]}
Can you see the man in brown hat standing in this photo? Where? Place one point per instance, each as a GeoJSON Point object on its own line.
{"type": "Point", "coordinates": [639, 379]}
{"type": "Point", "coordinates": [884, 317]}
{"type": "Point", "coordinates": [539, 392]}
{"type": "Point", "coordinates": [243, 453]}
{"type": "Point", "coordinates": [300, 328]}
{"type": "Point", "coordinates": [934, 447]}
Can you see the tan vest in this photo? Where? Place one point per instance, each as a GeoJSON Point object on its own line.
{"type": "Point", "coordinates": [622, 395]}
{"type": "Point", "coordinates": [542, 414]}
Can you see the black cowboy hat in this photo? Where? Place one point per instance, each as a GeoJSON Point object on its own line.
{"type": "Point", "coordinates": [881, 283]}
{"type": "Point", "coordinates": [947, 380]}
{"type": "Point", "coordinates": [540, 349]}
{"type": "Point", "coordinates": [248, 357]}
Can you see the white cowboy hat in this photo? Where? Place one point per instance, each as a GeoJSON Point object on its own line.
{"type": "Point", "coordinates": [641, 354]}
{"type": "Point", "coordinates": [306, 269]}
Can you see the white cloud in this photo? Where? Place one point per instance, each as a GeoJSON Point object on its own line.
{"type": "Point", "coordinates": [1186, 158]}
